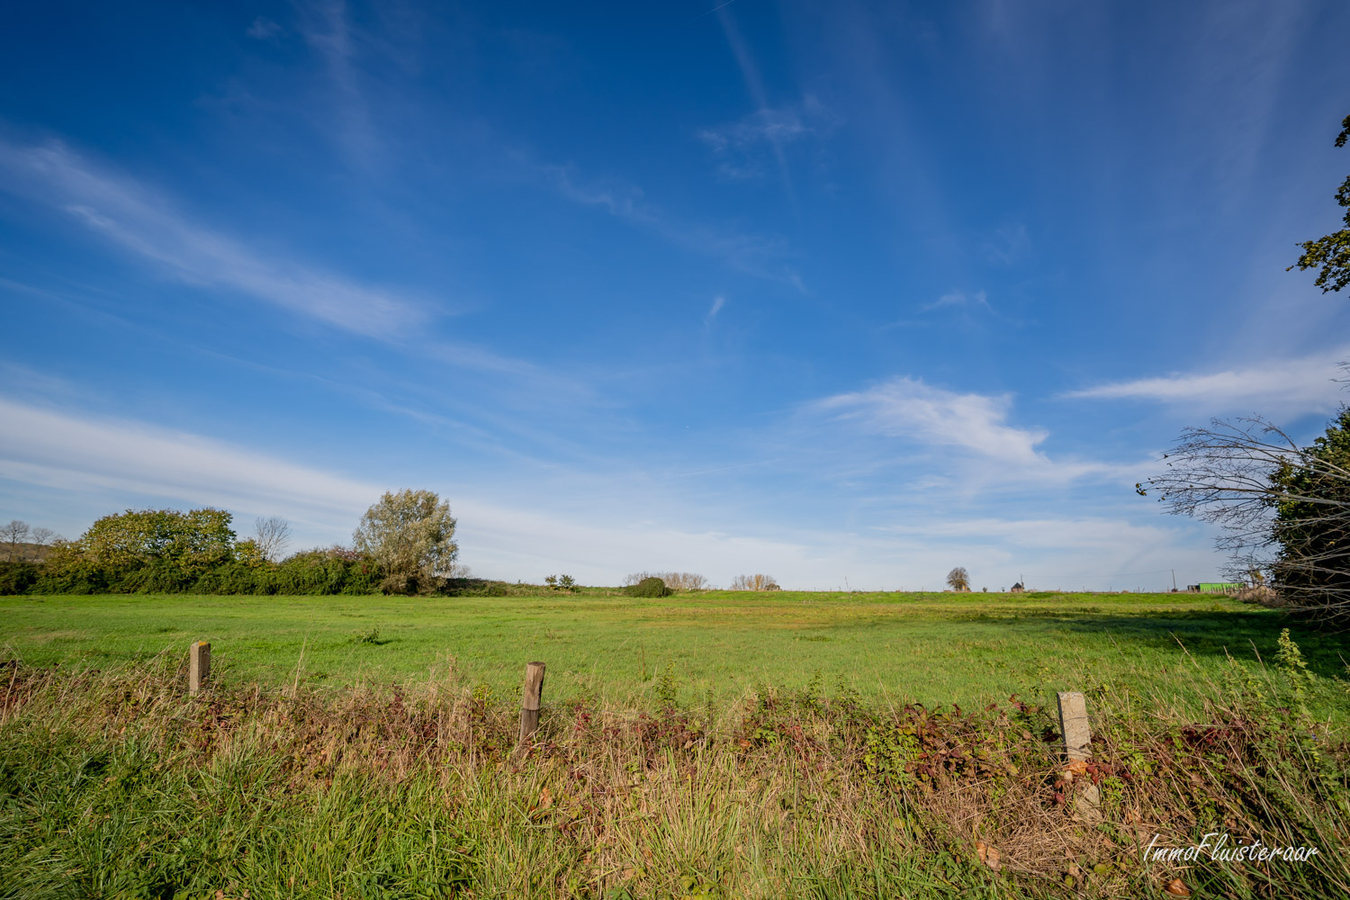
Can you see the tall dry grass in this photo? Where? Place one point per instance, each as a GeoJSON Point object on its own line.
{"type": "Point", "coordinates": [114, 783]}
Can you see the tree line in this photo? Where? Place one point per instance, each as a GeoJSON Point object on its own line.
{"type": "Point", "coordinates": [404, 544]}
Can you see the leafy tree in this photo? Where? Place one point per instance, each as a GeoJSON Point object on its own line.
{"type": "Point", "coordinates": [1331, 253]}
{"type": "Point", "coordinates": [958, 579]}
{"type": "Point", "coordinates": [188, 542]}
{"type": "Point", "coordinates": [410, 534]}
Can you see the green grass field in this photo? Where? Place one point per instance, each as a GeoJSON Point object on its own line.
{"type": "Point", "coordinates": [712, 745]}
{"type": "Point", "coordinates": [934, 648]}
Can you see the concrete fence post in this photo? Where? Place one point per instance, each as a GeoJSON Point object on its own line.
{"type": "Point", "coordinates": [1077, 735]}
{"type": "Point", "coordinates": [1073, 726]}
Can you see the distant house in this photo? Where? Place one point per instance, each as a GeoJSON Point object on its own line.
{"type": "Point", "coordinates": [1017, 588]}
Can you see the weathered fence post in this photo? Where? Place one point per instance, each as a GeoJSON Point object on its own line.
{"type": "Point", "coordinates": [529, 705]}
{"type": "Point", "coordinates": [199, 666]}
{"type": "Point", "coordinates": [1077, 734]}
{"type": "Point", "coordinates": [1073, 725]}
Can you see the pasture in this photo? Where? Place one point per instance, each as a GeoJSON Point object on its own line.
{"type": "Point", "coordinates": [937, 649]}
{"type": "Point", "coordinates": [710, 745]}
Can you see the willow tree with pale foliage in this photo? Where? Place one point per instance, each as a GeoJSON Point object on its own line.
{"type": "Point", "coordinates": [410, 534]}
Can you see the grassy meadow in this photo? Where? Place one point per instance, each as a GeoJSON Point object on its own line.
{"type": "Point", "coordinates": [710, 745]}
{"type": "Point", "coordinates": [938, 649]}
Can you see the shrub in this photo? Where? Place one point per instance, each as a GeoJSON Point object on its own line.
{"type": "Point", "coordinates": [17, 577]}
{"type": "Point", "coordinates": [335, 570]}
{"type": "Point", "coordinates": [676, 581]}
{"type": "Point", "coordinates": [648, 587]}
{"type": "Point", "coordinates": [1258, 593]}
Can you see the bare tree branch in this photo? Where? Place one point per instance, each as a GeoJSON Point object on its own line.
{"type": "Point", "coordinates": [1281, 509]}
{"type": "Point", "coordinates": [272, 535]}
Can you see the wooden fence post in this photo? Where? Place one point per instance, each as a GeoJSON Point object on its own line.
{"type": "Point", "coordinates": [199, 666]}
{"type": "Point", "coordinates": [529, 705]}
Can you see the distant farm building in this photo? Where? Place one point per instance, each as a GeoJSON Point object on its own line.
{"type": "Point", "coordinates": [1017, 588]}
{"type": "Point", "coordinates": [1215, 587]}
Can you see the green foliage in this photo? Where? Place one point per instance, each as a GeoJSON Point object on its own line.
{"type": "Point", "coordinates": [891, 750]}
{"type": "Point", "coordinates": [332, 571]}
{"type": "Point", "coordinates": [648, 587]}
{"type": "Point", "coordinates": [149, 551]}
{"type": "Point", "coordinates": [188, 543]}
{"type": "Point", "coordinates": [668, 687]}
{"type": "Point", "coordinates": [1331, 253]}
{"type": "Point", "coordinates": [335, 570]}
{"type": "Point", "coordinates": [410, 535]}
{"type": "Point", "coordinates": [17, 577]}
{"type": "Point", "coordinates": [1312, 570]}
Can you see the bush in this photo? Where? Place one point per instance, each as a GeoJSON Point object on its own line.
{"type": "Point", "coordinates": [1258, 593]}
{"type": "Point", "coordinates": [648, 587]}
{"type": "Point", "coordinates": [676, 581]}
{"type": "Point", "coordinates": [17, 577]}
{"type": "Point", "coordinates": [332, 571]}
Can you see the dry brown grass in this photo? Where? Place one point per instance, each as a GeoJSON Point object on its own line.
{"type": "Point", "coordinates": [763, 798]}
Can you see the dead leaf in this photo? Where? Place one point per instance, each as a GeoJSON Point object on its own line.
{"type": "Point", "coordinates": [1177, 888]}
{"type": "Point", "coordinates": [1078, 767]}
{"type": "Point", "coordinates": [545, 799]}
{"type": "Point", "coordinates": [988, 855]}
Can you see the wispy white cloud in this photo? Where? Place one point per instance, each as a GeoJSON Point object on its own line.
{"type": "Point", "coordinates": [752, 254]}
{"type": "Point", "coordinates": [92, 464]}
{"type": "Point", "coordinates": [263, 29]}
{"type": "Point", "coordinates": [327, 30]}
{"type": "Point", "coordinates": [133, 216]}
{"type": "Point", "coordinates": [109, 464]}
{"type": "Point", "coordinates": [78, 452]}
{"type": "Point", "coordinates": [964, 442]}
{"type": "Point", "coordinates": [718, 302]}
{"type": "Point", "coordinates": [1009, 245]}
{"type": "Point", "coordinates": [1275, 388]}
{"type": "Point", "coordinates": [960, 299]}
{"type": "Point", "coordinates": [739, 145]}
{"type": "Point", "coordinates": [910, 409]}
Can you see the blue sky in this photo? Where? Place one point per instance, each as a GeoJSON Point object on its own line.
{"type": "Point", "coordinates": [845, 293]}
